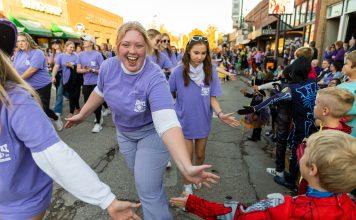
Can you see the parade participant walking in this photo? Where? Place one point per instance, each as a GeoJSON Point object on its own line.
{"type": "Point", "coordinates": [157, 56]}
{"type": "Point", "coordinates": [30, 63]}
{"type": "Point", "coordinates": [88, 64]}
{"type": "Point", "coordinates": [67, 61]}
{"type": "Point", "coordinates": [143, 112]}
{"type": "Point", "coordinates": [195, 85]}
{"type": "Point", "coordinates": [31, 153]}
{"type": "Point", "coordinates": [167, 49]}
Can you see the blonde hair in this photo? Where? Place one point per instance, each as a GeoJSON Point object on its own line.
{"type": "Point", "coordinates": [306, 52]}
{"type": "Point", "coordinates": [69, 43]}
{"type": "Point", "coordinates": [132, 25]}
{"type": "Point", "coordinates": [334, 154]}
{"type": "Point", "coordinates": [31, 43]}
{"type": "Point", "coordinates": [339, 44]}
{"type": "Point", "coordinates": [339, 101]}
{"type": "Point", "coordinates": [352, 57]}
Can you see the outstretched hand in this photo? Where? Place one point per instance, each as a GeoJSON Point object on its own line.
{"type": "Point", "coordinates": [197, 174]}
{"type": "Point", "coordinates": [180, 201]}
{"type": "Point", "coordinates": [229, 120]}
{"type": "Point", "coordinates": [74, 120]}
{"type": "Point", "coordinates": [246, 110]}
{"type": "Point", "coordinates": [123, 210]}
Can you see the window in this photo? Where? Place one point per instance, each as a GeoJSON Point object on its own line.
{"type": "Point", "coordinates": [297, 16]}
{"type": "Point", "coordinates": [292, 18]}
{"type": "Point", "coordinates": [310, 11]}
{"type": "Point", "coordinates": [334, 10]}
{"type": "Point", "coordinates": [351, 6]}
{"type": "Point", "coordinates": [303, 12]}
{"type": "Point", "coordinates": [315, 4]}
{"type": "Point", "coordinates": [306, 34]}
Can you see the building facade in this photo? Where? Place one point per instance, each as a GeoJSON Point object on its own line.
{"type": "Point", "coordinates": [336, 22]}
{"type": "Point", "coordinates": [99, 23]}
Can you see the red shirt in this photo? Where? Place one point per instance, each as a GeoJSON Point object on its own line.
{"type": "Point", "coordinates": [337, 207]}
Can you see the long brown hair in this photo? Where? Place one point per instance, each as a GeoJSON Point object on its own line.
{"type": "Point", "coordinates": [31, 43]}
{"type": "Point", "coordinates": [152, 33]}
{"type": "Point", "coordinates": [207, 66]}
{"type": "Point", "coordinates": [168, 49]}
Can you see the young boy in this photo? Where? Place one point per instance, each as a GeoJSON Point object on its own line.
{"type": "Point", "coordinates": [331, 105]}
{"type": "Point", "coordinates": [328, 165]}
{"type": "Point", "coordinates": [350, 70]}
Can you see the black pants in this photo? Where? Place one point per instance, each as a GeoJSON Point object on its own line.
{"type": "Point", "coordinates": [87, 90]}
{"type": "Point", "coordinates": [105, 105]}
{"type": "Point", "coordinates": [45, 96]}
{"type": "Point", "coordinates": [74, 94]}
{"type": "Point", "coordinates": [283, 122]}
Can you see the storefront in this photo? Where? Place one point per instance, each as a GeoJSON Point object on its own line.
{"type": "Point", "coordinates": [43, 20]}
{"type": "Point", "coordinates": [92, 20]}
{"type": "Point", "coordinates": [337, 22]}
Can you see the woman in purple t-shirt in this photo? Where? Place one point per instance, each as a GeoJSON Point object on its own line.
{"type": "Point", "coordinates": [32, 154]}
{"type": "Point", "coordinates": [195, 85]}
{"type": "Point", "coordinates": [30, 63]}
{"type": "Point", "coordinates": [167, 50]}
{"type": "Point", "coordinates": [88, 64]}
{"type": "Point", "coordinates": [157, 56]}
{"type": "Point", "coordinates": [143, 112]}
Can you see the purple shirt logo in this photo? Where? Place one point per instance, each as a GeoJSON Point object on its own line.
{"type": "Point", "coordinates": [140, 106]}
{"type": "Point", "coordinates": [205, 91]}
{"type": "Point", "coordinates": [4, 153]}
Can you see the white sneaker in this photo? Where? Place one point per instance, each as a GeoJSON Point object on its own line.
{"type": "Point", "coordinates": [169, 165]}
{"type": "Point", "coordinates": [58, 114]}
{"type": "Point", "coordinates": [188, 189]}
{"type": "Point", "coordinates": [105, 112]}
{"type": "Point", "coordinates": [97, 128]}
{"type": "Point", "coordinates": [273, 172]}
{"type": "Point", "coordinates": [58, 124]}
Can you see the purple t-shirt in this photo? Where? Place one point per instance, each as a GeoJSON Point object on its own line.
{"type": "Point", "coordinates": [132, 98]}
{"type": "Point", "coordinates": [25, 190]}
{"type": "Point", "coordinates": [61, 60]}
{"type": "Point", "coordinates": [33, 58]}
{"type": "Point", "coordinates": [172, 58]}
{"type": "Point", "coordinates": [92, 59]}
{"type": "Point", "coordinates": [163, 61]}
{"type": "Point", "coordinates": [193, 103]}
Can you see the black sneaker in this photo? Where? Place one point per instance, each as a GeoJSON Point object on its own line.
{"type": "Point", "coordinates": [283, 182]}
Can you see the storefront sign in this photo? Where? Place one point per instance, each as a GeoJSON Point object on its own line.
{"type": "Point", "coordinates": [43, 7]}
{"type": "Point", "coordinates": [102, 21]}
{"type": "Point", "coordinates": [268, 31]}
{"type": "Point", "coordinates": [280, 7]}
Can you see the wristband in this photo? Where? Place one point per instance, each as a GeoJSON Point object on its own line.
{"type": "Point", "coordinates": [219, 114]}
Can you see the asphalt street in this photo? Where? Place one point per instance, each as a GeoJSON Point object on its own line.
{"type": "Point", "coordinates": [241, 164]}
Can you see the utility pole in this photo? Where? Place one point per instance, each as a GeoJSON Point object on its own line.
{"type": "Point", "coordinates": [276, 42]}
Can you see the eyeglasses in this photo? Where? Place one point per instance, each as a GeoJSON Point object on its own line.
{"type": "Point", "coordinates": [166, 41]}
{"type": "Point", "coordinates": [199, 38]}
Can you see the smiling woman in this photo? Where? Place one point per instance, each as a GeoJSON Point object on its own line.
{"type": "Point", "coordinates": [147, 127]}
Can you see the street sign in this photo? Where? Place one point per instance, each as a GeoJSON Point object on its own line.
{"type": "Point", "coordinates": [280, 7]}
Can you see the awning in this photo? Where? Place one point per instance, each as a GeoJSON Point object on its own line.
{"type": "Point", "coordinates": [62, 31]}
{"type": "Point", "coordinates": [31, 27]}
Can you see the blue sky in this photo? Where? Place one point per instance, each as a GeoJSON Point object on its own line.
{"type": "Point", "coordinates": [178, 16]}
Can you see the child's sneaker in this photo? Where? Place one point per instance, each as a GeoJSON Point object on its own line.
{"type": "Point", "coordinates": [273, 172]}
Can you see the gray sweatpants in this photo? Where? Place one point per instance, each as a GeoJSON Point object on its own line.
{"type": "Point", "coordinates": [147, 157]}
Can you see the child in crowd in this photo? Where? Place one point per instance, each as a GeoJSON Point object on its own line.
{"type": "Point", "coordinates": [331, 105]}
{"type": "Point", "coordinates": [256, 120]}
{"type": "Point", "coordinates": [328, 164]}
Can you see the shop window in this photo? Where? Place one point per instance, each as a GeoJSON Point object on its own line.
{"type": "Point", "coordinates": [306, 34]}
{"type": "Point", "coordinates": [310, 11]}
{"type": "Point", "coordinates": [334, 10]}
{"type": "Point", "coordinates": [292, 19]}
{"type": "Point", "coordinates": [315, 4]}
{"type": "Point", "coordinates": [297, 16]}
{"type": "Point", "coordinates": [312, 29]}
{"type": "Point", "coordinates": [351, 6]}
{"type": "Point", "coordinates": [303, 12]}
